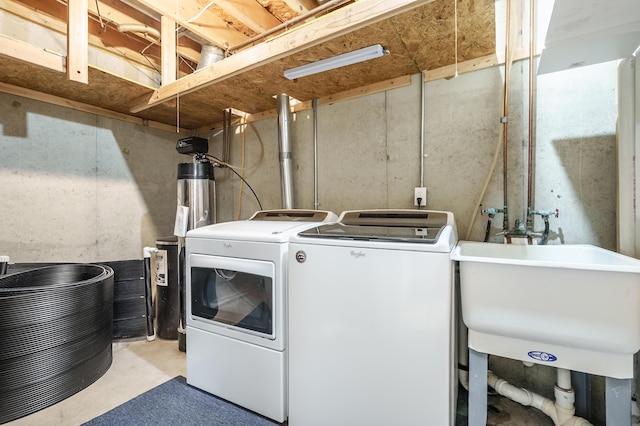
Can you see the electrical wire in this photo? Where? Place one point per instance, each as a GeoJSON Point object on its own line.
{"type": "Point", "coordinates": [201, 12]}
{"type": "Point", "coordinates": [222, 163]}
{"type": "Point", "coordinates": [261, 157]}
{"type": "Point", "coordinates": [102, 24]}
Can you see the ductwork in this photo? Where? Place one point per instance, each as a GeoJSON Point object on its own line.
{"type": "Point", "coordinates": [209, 55]}
{"type": "Point", "coordinates": [284, 139]}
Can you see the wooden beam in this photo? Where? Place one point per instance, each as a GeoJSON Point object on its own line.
{"type": "Point", "coordinates": [203, 23]}
{"type": "Point", "coordinates": [119, 13]}
{"type": "Point", "coordinates": [79, 106]}
{"type": "Point", "coordinates": [462, 68]}
{"type": "Point", "coordinates": [475, 65]}
{"type": "Point", "coordinates": [31, 54]}
{"type": "Point", "coordinates": [328, 27]}
{"type": "Point", "coordinates": [52, 15]}
{"type": "Point", "coordinates": [249, 12]}
{"type": "Point", "coordinates": [301, 6]}
{"type": "Point", "coordinates": [78, 41]}
{"type": "Point", "coordinates": [168, 35]}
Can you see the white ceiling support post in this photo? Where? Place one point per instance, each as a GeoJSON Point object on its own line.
{"type": "Point", "coordinates": [78, 41]}
{"type": "Point", "coordinates": [168, 49]}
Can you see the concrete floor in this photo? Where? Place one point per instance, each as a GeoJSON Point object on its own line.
{"type": "Point", "coordinates": [139, 365]}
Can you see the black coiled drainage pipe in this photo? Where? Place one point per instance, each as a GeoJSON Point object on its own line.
{"type": "Point", "coordinates": [55, 335]}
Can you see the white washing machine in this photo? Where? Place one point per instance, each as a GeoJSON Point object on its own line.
{"type": "Point", "coordinates": [236, 307]}
{"type": "Point", "coordinates": [371, 320]}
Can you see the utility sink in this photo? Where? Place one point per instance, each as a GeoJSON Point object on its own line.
{"type": "Point", "coordinates": [570, 306]}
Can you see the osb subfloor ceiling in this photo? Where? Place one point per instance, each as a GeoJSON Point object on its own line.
{"type": "Point", "coordinates": [418, 35]}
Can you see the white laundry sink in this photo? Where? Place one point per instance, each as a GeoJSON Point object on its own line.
{"type": "Point", "coordinates": [571, 306]}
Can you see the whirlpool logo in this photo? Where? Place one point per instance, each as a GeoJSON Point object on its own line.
{"type": "Point", "coordinates": [301, 256]}
{"type": "Point", "coordinates": [542, 356]}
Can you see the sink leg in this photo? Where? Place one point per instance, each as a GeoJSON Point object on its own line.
{"type": "Point", "coordinates": [582, 391]}
{"type": "Point", "coordinates": [478, 366]}
{"type": "Point", "coordinates": [618, 401]}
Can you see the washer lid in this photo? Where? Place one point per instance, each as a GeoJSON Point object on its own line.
{"type": "Point", "coordinates": [390, 217]}
{"type": "Point", "coordinates": [414, 226]}
{"type": "Point", "coordinates": [295, 215]}
{"type": "Point", "coordinates": [266, 225]}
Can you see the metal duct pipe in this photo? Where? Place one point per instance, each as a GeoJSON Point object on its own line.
{"type": "Point", "coordinates": [284, 139]}
{"type": "Point", "coordinates": [209, 55]}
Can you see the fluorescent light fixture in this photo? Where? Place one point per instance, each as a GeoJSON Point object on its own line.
{"type": "Point", "coordinates": [343, 60]}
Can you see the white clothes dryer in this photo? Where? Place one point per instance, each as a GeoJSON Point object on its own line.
{"type": "Point", "coordinates": [371, 320]}
{"type": "Point", "coordinates": [236, 307]}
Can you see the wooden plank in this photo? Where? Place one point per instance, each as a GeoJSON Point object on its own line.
{"type": "Point", "coordinates": [118, 12]}
{"type": "Point", "coordinates": [463, 67]}
{"type": "Point", "coordinates": [168, 36]}
{"type": "Point", "coordinates": [78, 41]}
{"type": "Point", "coordinates": [249, 12]}
{"type": "Point", "coordinates": [335, 24]}
{"type": "Point", "coordinates": [382, 86]}
{"type": "Point", "coordinates": [301, 6]}
{"type": "Point", "coordinates": [55, 21]}
{"type": "Point", "coordinates": [476, 64]}
{"type": "Point", "coordinates": [79, 106]}
{"type": "Point", "coordinates": [29, 53]}
{"type": "Point", "coordinates": [111, 11]}
{"type": "Point", "coordinates": [193, 17]}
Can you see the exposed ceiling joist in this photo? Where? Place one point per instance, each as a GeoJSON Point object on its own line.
{"type": "Point", "coordinates": [301, 6]}
{"type": "Point", "coordinates": [249, 12]}
{"type": "Point", "coordinates": [340, 22]}
{"type": "Point", "coordinates": [119, 13]}
{"type": "Point", "coordinates": [29, 53]}
{"type": "Point", "coordinates": [418, 34]}
{"type": "Point", "coordinates": [199, 20]}
{"type": "Point", "coordinates": [53, 15]}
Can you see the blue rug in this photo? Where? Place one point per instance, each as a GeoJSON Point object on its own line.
{"type": "Point", "coordinates": [176, 403]}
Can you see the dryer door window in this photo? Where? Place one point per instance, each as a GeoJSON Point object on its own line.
{"type": "Point", "coordinates": [233, 298]}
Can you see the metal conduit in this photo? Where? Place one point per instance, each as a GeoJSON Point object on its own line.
{"type": "Point", "coordinates": [422, 136]}
{"type": "Point", "coordinates": [55, 334]}
{"type": "Point", "coordinates": [314, 105]}
{"type": "Point", "coordinates": [530, 159]}
{"type": "Point", "coordinates": [505, 119]}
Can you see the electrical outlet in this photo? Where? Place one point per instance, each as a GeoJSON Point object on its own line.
{"type": "Point", "coordinates": [420, 196]}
